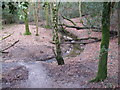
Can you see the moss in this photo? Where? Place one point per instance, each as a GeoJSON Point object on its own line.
{"type": "Point", "coordinates": [75, 51]}
{"type": "Point", "coordinates": [27, 32]}
{"type": "Point", "coordinates": [47, 27]}
{"type": "Point", "coordinates": [59, 58]}
{"type": "Point", "coordinates": [102, 67]}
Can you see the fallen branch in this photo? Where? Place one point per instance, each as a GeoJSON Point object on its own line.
{"type": "Point", "coordinates": [2, 51]}
{"type": "Point", "coordinates": [6, 36]}
{"type": "Point", "coordinates": [5, 52]}
{"type": "Point", "coordinates": [47, 58]}
{"type": "Point", "coordinates": [94, 38]}
{"type": "Point", "coordinates": [78, 28]}
{"type": "Point", "coordinates": [84, 43]}
{"type": "Point", "coordinates": [68, 20]}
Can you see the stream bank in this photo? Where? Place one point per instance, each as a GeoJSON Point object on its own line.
{"type": "Point", "coordinates": [76, 72]}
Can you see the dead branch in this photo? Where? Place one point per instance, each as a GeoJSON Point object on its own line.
{"type": "Point", "coordinates": [78, 28]}
{"type": "Point", "coordinates": [94, 38]}
{"type": "Point", "coordinates": [2, 51]}
{"type": "Point", "coordinates": [47, 58]}
{"type": "Point", "coordinates": [84, 43]}
{"type": "Point", "coordinates": [6, 36]}
{"type": "Point", "coordinates": [68, 20]}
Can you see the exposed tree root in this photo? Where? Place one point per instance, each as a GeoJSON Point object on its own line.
{"type": "Point", "coordinates": [97, 79]}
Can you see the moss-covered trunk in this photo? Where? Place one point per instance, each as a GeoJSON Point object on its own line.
{"type": "Point", "coordinates": [27, 32]}
{"type": "Point", "coordinates": [59, 58]}
{"type": "Point", "coordinates": [102, 67]}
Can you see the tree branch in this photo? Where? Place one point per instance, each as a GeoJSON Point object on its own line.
{"type": "Point", "coordinates": [6, 36]}
{"type": "Point", "coordinates": [78, 28]}
{"type": "Point", "coordinates": [2, 51]}
{"type": "Point", "coordinates": [68, 20]}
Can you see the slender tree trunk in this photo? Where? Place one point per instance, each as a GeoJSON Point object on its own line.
{"type": "Point", "coordinates": [47, 15]}
{"type": "Point", "coordinates": [26, 24]}
{"type": "Point", "coordinates": [119, 22]}
{"type": "Point", "coordinates": [59, 58]}
{"type": "Point", "coordinates": [36, 17]}
{"type": "Point", "coordinates": [51, 19]}
{"type": "Point", "coordinates": [80, 8]}
{"type": "Point", "coordinates": [102, 67]}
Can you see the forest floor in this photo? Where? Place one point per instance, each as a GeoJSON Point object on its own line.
{"type": "Point", "coordinates": [27, 65]}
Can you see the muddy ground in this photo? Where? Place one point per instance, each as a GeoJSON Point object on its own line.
{"type": "Point", "coordinates": [27, 64]}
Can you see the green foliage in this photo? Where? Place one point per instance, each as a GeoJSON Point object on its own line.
{"type": "Point", "coordinates": [23, 5]}
{"type": "Point", "coordinates": [12, 7]}
{"type": "Point", "coordinates": [9, 12]}
{"type": "Point", "coordinates": [22, 8]}
{"type": "Point", "coordinates": [27, 33]}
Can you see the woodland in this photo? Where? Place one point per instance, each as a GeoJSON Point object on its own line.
{"type": "Point", "coordinates": [59, 44]}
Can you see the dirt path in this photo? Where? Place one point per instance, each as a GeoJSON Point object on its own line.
{"type": "Point", "coordinates": [37, 77]}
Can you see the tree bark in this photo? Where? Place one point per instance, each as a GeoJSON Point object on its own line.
{"type": "Point", "coordinates": [80, 12]}
{"type": "Point", "coordinates": [36, 9]}
{"type": "Point", "coordinates": [103, 57]}
{"type": "Point", "coordinates": [119, 22]}
{"type": "Point", "coordinates": [58, 55]}
{"type": "Point", "coordinates": [47, 15]}
{"type": "Point", "coordinates": [26, 23]}
{"type": "Point", "coordinates": [51, 19]}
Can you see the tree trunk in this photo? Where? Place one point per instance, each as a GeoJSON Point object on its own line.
{"type": "Point", "coordinates": [59, 58]}
{"type": "Point", "coordinates": [102, 67]}
{"type": "Point", "coordinates": [47, 15]}
{"type": "Point", "coordinates": [26, 24]}
{"type": "Point", "coordinates": [80, 13]}
{"type": "Point", "coordinates": [36, 17]}
{"type": "Point", "coordinates": [119, 23]}
{"type": "Point", "coordinates": [51, 19]}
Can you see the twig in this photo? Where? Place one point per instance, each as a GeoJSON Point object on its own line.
{"type": "Point", "coordinates": [2, 51]}
{"type": "Point", "coordinates": [6, 36]}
